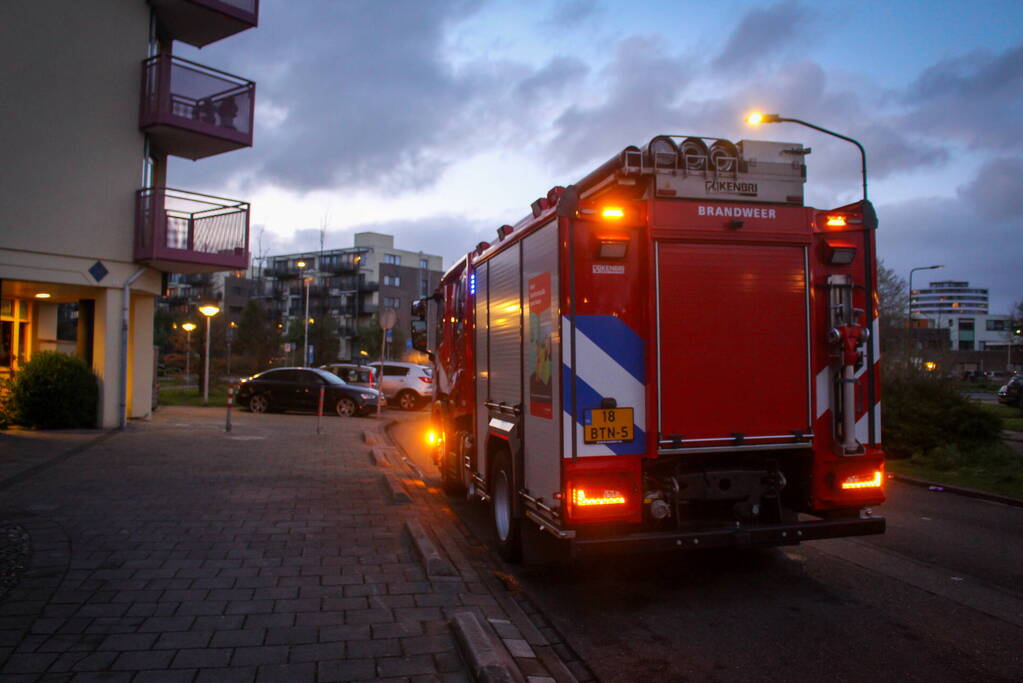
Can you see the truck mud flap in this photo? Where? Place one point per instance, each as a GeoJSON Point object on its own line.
{"type": "Point", "coordinates": [748, 537]}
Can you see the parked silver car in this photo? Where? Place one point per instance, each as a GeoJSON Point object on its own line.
{"type": "Point", "coordinates": [406, 385]}
{"type": "Point", "coordinates": [360, 375]}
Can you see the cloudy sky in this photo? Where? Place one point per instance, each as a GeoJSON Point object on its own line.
{"type": "Point", "coordinates": [439, 120]}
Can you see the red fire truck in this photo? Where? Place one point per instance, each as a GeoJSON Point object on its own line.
{"type": "Point", "coordinates": [673, 353]}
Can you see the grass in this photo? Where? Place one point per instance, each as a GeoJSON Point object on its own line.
{"type": "Point", "coordinates": [1003, 478]}
{"type": "Point", "coordinates": [1012, 417]}
{"type": "Point", "coordinates": [178, 396]}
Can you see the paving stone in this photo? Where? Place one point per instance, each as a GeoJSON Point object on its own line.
{"type": "Point", "coordinates": [129, 641]}
{"type": "Point", "coordinates": [286, 673]}
{"type": "Point", "coordinates": [374, 648]}
{"type": "Point", "coordinates": [239, 638]}
{"type": "Point", "coordinates": [201, 658]}
{"type": "Point", "coordinates": [346, 670]}
{"type": "Point", "coordinates": [318, 652]}
{"type": "Point", "coordinates": [181, 640]}
{"type": "Point", "coordinates": [152, 659]}
{"type": "Point", "coordinates": [232, 675]}
{"type": "Point", "coordinates": [169, 676]}
{"type": "Point", "coordinates": [35, 663]}
{"type": "Point", "coordinates": [406, 666]}
{"type": "Point", "coordinates": [257, 656]}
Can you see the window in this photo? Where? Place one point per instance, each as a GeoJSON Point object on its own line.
{"type": "Point", "coordinates": [965, 345]}
{"type": "Point", "coordinates": [424, 287]}
{"type": "Point", "coordinates": [392, 302]}
{"type": "Point", "coordinates": [395, 371]}
{"type": "Point", "coordinates": [392, 259]}
{"type": "Point", "coordinates": [392, 281]}
{"type": "Point", "coordinates": [996, 325]}
{"type": "Point", "coordinates": [236, 291]}
{"type": "Point", "coordinates": [424, 263]}
{"type": "Point", "coordinates": [966, 324]}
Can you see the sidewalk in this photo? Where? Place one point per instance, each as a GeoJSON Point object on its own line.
{"type": "Point", "coordinates": [174, 551]}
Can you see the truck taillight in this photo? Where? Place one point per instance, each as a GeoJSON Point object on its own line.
{"type": "Point", "coordinates": [599, 498]}
{"type": "Point", "coordinates": [872, 480]}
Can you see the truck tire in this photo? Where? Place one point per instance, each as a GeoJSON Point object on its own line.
{"type": "Point", "coordinates": [507, 529]}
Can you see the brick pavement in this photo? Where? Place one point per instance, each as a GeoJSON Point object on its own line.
{"type": "Point", "coordinates": [176, 552]}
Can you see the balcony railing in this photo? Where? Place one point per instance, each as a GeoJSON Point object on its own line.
{"type": "Point", "coordinates": [192, 111]}
{"type": "Point", "coordinates": [185, 232]}
{"type": "Point", "coordinates": [201, 22]}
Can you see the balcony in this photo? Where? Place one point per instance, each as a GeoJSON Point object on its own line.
{"type": "Point", "coordinates": [185, 232]}
{"type": "Point", "coordinates": [201, 22]}
{"type": "Point", "coordinates": [282, 269]}
{"type": "Point", "coordinates": [191, 111]}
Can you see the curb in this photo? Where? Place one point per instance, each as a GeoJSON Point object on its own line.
{"type": "Point", "coordinates": [436, 565]}
{"type": "Point", "coordinates": [399, 496]}
{"type": "Point", "coordinates": [485, 656]}
{"type": "Point", "coordinates": [958, 490]}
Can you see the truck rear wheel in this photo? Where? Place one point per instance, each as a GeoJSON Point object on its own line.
{"type": "Point", "coordinates": [507, 528]}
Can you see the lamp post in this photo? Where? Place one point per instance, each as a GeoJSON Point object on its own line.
{"type": "Point", "coordinates": [911, 271]}
{"type": "Point", "coordinates": [188, 327]}
{"type": "Point", "coordinates": [757, 118]}
{"type": "Point", "coordinates": [231, 327]}
{"type": "Point", "coordinates": [209, 310]}
{"type": "Point", "coordinates": [305, 343]}
{"type": "Point", "coordinates": [868, 261]}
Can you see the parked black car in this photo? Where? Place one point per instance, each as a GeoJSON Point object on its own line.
{"type": "Point", "coordinates": [1011, 391]}
{"type": "Point", "coordinates": [299, 389]}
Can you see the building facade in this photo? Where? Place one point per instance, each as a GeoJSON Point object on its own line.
{"type": "Point", "coordinates": [348, 286]}
{"type": "Point", "coordinates": [88, 226]}
{"type": "Point", "coordinates": [948, 299]}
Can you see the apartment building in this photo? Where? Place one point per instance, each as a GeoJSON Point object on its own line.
{"type": "Point", "coordinates": [349, 285]}
{"type": "Point", "coordinates": [95, 101]}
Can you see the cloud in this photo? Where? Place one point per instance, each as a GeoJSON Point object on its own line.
{"type": "Point", "coordinates": [975, 99]}
{"type": "Point", "coordinates": [948, 231]}
{"type": "Point", "coordinates": [643, 82]}
{"type": "Point", "coordinates": [995, 192]}
{"type": "Point", "coordinates": [568, 14]}
{"type": "Point", "coordinates": [761, 33]}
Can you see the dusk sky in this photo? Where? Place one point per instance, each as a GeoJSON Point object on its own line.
{"type": "Point", "coordinates": [440, 120]}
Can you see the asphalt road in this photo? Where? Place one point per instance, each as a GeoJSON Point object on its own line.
{"type": "Point", "coordinates": [939, 597]}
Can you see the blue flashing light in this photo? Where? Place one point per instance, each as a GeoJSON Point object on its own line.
{"type": "Point", "coordinates": [472, 284]}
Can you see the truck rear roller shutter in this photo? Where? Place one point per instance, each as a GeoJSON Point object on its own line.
{"type": "Point", "coordinates": [732, 344]}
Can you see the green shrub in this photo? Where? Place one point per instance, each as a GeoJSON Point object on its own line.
{"type": "Point", "coordinates": [55, 391]}
{"type": "Point", "coordinates": [922, 413]}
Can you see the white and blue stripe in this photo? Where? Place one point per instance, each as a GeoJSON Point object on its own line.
{"type": "Point", "coordinates": [610, 363]}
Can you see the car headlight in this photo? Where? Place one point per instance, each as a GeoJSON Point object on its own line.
{"type": "Point", "coordinates": [366, 397]}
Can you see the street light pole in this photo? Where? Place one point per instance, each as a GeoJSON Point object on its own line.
{"type": "Point", "coordinates": [869, 224]}
{"type": "Point", "coordinates": [305, 323]}
{"type": "Point", "coordinates": [910, 307]}
{"type": "Point", "coordinates": [209, 311]}
{"type": "Point", "coordinates": [756, 118]}
{"type": "Point", "coordinates": [188, 327]}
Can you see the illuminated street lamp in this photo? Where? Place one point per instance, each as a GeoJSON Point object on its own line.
{"type": "Point", "coordinates": [188, 327]}
{"type": "Point", "coordinates": [209, 310]}
{"type": "Point", "coordinates": [305, 344]}
{"type": "Point", "coordinates": [756, 118]}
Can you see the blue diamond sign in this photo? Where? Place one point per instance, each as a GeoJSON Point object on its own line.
{"type": "Point", "coordinates": [98, 271]}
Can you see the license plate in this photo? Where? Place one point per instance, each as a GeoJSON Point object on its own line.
{"type": "Point", "coordinates": [608, 425]}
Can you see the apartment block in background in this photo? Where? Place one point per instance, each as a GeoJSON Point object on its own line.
{"type": "Point", "coordinates": [95, 101]}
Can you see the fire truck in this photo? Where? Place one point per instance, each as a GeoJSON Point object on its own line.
{"type": "Point", "coordinates": [672, 353]}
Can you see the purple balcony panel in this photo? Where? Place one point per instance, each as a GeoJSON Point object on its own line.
{"type": "Point", "coordinates": [201, 22]}
{"type": "Point", "coordinates": [193, 111]}
{"type": "Point", "coordinates": [185, 232]}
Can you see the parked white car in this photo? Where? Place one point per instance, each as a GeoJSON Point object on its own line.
{"type": "Point", "coordinates": [406, 385]}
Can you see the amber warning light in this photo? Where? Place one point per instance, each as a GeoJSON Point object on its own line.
{"type": "Point", "coordinates": [612, 212]}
